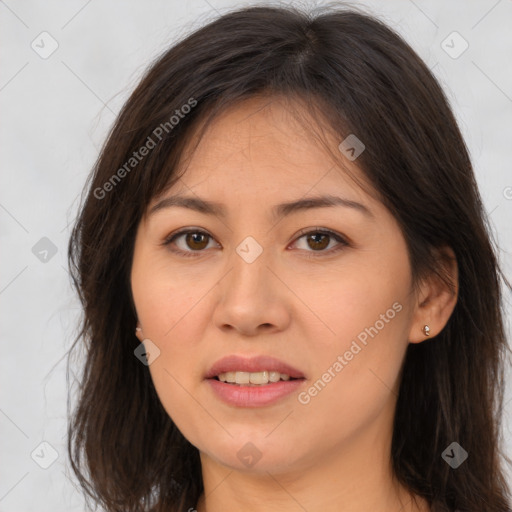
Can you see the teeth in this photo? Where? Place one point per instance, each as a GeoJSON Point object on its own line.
{"type": "Point", "coordinates": [254, 378]}
{"type": "Point", "coordinates": [275, 376]}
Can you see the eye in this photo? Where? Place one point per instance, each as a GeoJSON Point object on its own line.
{"type": "Point", "coordinates": [319, 239]}
{"type": "Point", "coordinates": [194, 241]}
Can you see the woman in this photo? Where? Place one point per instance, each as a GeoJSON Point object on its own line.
{"type": "Point", "coordinates": [291, 298]}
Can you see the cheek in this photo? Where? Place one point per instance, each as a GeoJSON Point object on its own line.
{"type": "Point", "coordinates": [356, 379]}
{"type": "Point", "coordinates": [167, 299]}
{"type": "Point", "coordinates": [171, 312]}
{"type": "Point", "coordinates": [347, 303]}
{"type": "Point", "coordinates": [358, 358]}
{"type": "Point", "coordinates": [173, 318]}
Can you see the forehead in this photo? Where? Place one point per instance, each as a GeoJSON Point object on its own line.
{"type": "Point", "coordinates": [267, 144]}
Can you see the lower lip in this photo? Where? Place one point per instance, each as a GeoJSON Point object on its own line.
{"type": "Point", "coordinates": [254, 396]}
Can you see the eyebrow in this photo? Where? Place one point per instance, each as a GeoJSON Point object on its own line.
{"type": "Point", "coordinates": [279, 211]}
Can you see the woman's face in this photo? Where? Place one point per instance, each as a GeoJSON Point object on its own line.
{"type": "Point", "coordinates": [325, 290]}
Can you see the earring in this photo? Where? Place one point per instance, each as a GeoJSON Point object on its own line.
{"type": "Point", "coordinates": [426, 330]}
{"type": "Point", "coordinates": [137, 329]}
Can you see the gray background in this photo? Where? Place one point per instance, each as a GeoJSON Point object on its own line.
{"type": "Point", "coordinates": [55, 114]}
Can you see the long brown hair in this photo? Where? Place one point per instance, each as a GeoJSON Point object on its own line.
{"type": "Point", "coordinates": [357, 76]}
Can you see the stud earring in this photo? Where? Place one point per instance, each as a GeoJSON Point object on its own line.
{"type": "Point", "coordinates": [426, 330]}
{"type": "Point", "coordinates": [137, 329]}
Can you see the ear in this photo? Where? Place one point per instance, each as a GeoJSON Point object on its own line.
{"type": "Point", "coordinates": [138, 332]}
{"type": "Point", "coordinates": [436, 298]}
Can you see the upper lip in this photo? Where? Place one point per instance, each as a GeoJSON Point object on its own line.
{"type": "Point", "coordinates": [234, 363]}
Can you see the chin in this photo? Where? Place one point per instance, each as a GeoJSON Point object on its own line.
{"type": "Point", "coordinates": [248, 454]}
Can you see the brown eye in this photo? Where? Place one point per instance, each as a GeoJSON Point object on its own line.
{"type": "Point", "coordinates": [196, 241]}
{"type": "Point", "coordinates": [318, 241]}
{"type": "Point", "coordinates": [189, 242]}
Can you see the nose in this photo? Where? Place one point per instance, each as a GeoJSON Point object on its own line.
{"type": "Point", "coordinates": [252, 299]}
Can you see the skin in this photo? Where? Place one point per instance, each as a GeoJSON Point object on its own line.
{"type": "Point", "coordinates": [333, 453]}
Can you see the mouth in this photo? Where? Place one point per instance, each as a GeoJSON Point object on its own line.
{"type": "Point", "coordinates": [255, 370]}
{"type": "Point", "coordinates": [256, 381]}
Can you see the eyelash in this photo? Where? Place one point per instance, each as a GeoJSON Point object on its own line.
{"type": "Point", "coordinates": [194, 254]}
